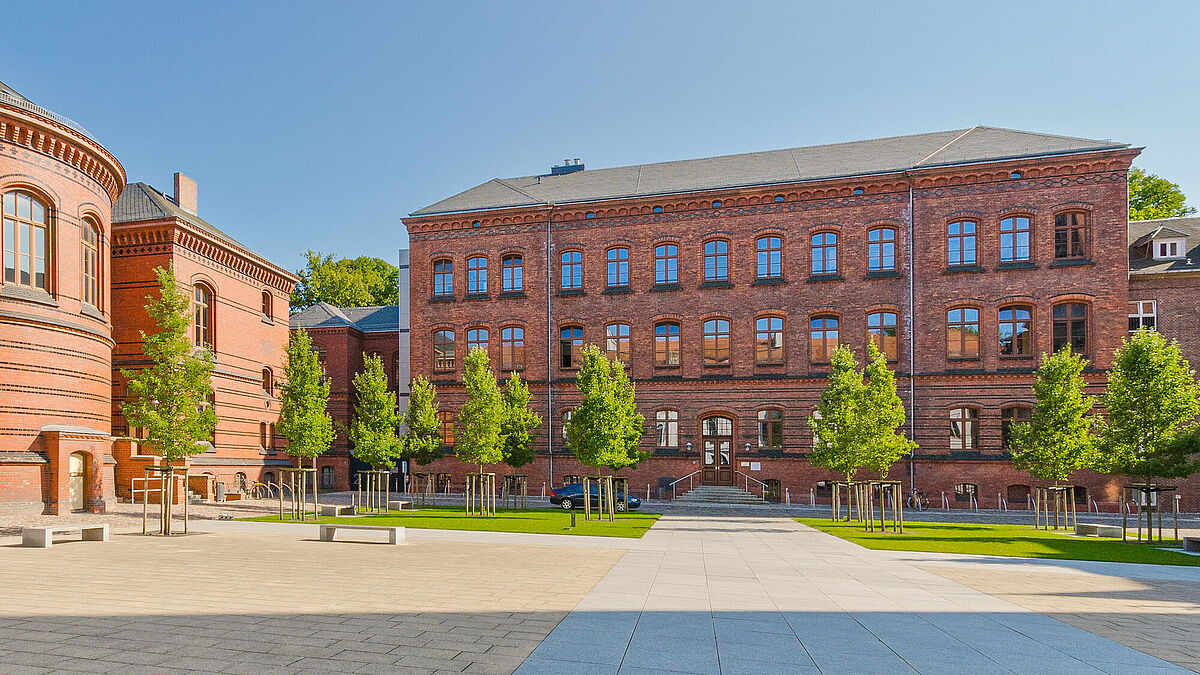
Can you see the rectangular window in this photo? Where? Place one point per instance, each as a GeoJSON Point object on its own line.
{"type": "Point", "coordinates": [964, 429]}
{"type": "Point", "coordinates": [666, 423]}
{"type": "Point", "coordinates": [768, 341]}
{"type": "Point", "coordinates": [443, 350]}
{"type": "Point", "coordinates": [666, 264]}
{"type": "Point", "coordinates": [26, 241]}
{"type": "Point", "coordinates": [570, 346]}
{"type": "Point", "coordinates": [1015, 336]}
{"type": "Point", "coordinates": [477, 338]}
{"type": "Point", "coordinates": [1143, 314]}
{"type": "Point", "coordinates": [90, 264]}
{"type": "Point", "coordinates": [443, 277]}
{"type": "Point", "coordinates": [770, 258]}
{"type": "Point", "coordinates": [477, 282]}
{"type": "Point", "coordinates": [513, 277]}
{"type": "Point", "coordinates": [666, 344]}
{"type": "Point", "coordinates": [716, 261]}
{"type": "Point", "coordinates": [1070, 235]}
{"type": "Point", "coordinates": [446, 428]}
{"type": "Point", "coordinates": [616, 341]}
{"type": "Point", "coordinates": [962, 333]}
{"type": "Point", "coordinates": [512, 348]}
{"type": "Point", "coordinates": [824, 253]}
{"type": "Point", "coordinates": [881, 329]}
{"type": "Point", "coordinates": [1010, 416]}
{"type": "Point", "coordinates": [572, 270]}
{"type": "Point", "coordinates": [1070, 327]}
{"type": "Point", "coordinates": [822, 339]}
{"type": "Point", "coordinates": [881, 250]}
{"type": "Point", "coordinates": [960, 243]}
{"type": "Point", "coordinates": [716, 342]}
{"type": "Point", "coordinates": [1014, 239]}
{"type": "Point", "coordinates": [618, 267]}
{"type": "Point", "coordinates": [770, 429]}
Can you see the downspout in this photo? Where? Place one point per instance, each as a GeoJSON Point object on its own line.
{"type": "Point", "coordinates": [912, 347]}
{"type": "Point", "coordinates": [549, 348]}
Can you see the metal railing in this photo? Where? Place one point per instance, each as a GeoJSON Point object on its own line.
{"type": "Point", "coordinates": [762, 487]}
{"type": "Point", "coordinates": [691, 485]}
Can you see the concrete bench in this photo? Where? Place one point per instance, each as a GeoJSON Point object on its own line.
{"type": "Point", "coordinates": [1098, 530]}
{"type": "Point", "coordinates": [1191, 544]}
{"type": "Point", "coordinates": [399, 504]}
{"type": "Point", "coordinates": [395, 534]}
{"type": "Point", "coordinates": [337, 510]}
{"type": "Point", "coordinates": [43, 537]}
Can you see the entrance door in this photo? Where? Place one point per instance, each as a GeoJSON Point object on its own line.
{"type": "Point", "coordinates": [717, 451]}
{"type": "Point", "coordinates": [76, 480]}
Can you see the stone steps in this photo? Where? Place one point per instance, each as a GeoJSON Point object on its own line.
{"type": "Point", "coordinates": [719, 494]}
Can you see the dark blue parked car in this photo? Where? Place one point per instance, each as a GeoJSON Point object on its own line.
{"type": "Point", "coordinates": [571, 497]}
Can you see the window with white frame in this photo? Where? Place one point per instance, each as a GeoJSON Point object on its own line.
{"type": "Point", "coordinates": [1166, 249]}
{"type": "Point", "coordinates": [1142, 314]}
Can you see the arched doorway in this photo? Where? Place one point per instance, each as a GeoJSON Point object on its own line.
{"type": "Point", "coordinates": [716, 451]}
{"type": "Point", "coordinates": [77, 480]}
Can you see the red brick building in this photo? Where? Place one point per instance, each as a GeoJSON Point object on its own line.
{"type": "Point", "coordinates": [57, 188]}
{"type": "Point", "coordinates": [726, 282]}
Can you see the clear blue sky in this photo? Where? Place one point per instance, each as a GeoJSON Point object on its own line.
{"type": "Point", "coordinates": [319, 125]}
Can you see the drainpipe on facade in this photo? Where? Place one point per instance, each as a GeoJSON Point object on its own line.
{"type": "Point", "coordinates": [549, 349]}
{"type": "Point", "coordinates": [912, 347]}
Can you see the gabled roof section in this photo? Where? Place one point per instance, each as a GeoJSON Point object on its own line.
{"type": "Point", "coordinates": [793, 165]}
{"type": "Point", "coordinates": [1142, 232]}
{"type": "Point", "coordinates": [366, 319]}
{"type": "Point", "coordinates": [142, 203]}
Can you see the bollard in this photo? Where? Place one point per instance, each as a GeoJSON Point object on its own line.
{"type": "Point", "coordinates": [572, 519]}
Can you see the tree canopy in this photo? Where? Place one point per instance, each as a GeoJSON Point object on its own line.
{"type": "Point", "coordinates": [518, 423]}
{"type": "Point", "coordinates": [422, 442]}
{"type": "Point", "coordinates": [1058, 438]}
{"type": "Point", "coordinates": [882, 415]}
{"type": "Point", "coordinates": [478, 440]}
{"type": "Point", "coordinates": [345, 282]}
{"type": "Point", "coordinates": [1151, 402]}
{"type": "Point", "coordinates": [171, 398]}
{"type": "Point", "coordinates": [303, 419]}
{"type": "Point", "coordinates": [1152, 197]}
{"type": "Point", "coordinates": [373, 430]}
{"type": "Point", "coordinates": [606, 429]}
{"type": "Point", "coordinates": [837, 423]}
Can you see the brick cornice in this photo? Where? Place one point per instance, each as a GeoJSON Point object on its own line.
{"type": "Point", "coordinates": [62, 143]}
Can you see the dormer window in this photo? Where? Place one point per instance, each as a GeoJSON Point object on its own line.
{"type": "Point", "coordinates": [1166, 249]}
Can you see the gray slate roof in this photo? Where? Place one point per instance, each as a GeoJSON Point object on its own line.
{"type": "Point", "coordinates": [13, 97]}
{"type": "Point", "coordinates": [1142, 231]}
{"type": "Point", "coordinates": [365, 319]}
{"type": "Point", "coordinates": [142, 203]}
{"type": "Point", "coordinates": [838, 160]}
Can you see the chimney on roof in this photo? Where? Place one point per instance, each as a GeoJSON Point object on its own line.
{"type": "Point", "coordinates": [185, 192]}
{"type": "Point", "coordinates": [566, 167]}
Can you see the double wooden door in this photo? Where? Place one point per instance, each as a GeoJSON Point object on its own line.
{"type": "Point", "coordinates": [716, 451]}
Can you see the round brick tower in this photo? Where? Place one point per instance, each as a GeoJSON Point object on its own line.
{"type": "Point", "coordinates": [57, 188]}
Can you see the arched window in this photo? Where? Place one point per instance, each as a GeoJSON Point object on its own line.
{"type": "Point", "coordinates": [1010, 416]}
{"type": "Point", "coordinates": [618, 267]}
{"type": "Point", "coordinates": [271, 436]}
{"type": "Point", "coordinates": [666, 344]}
{"type": "Point", "coordinates": [716, 260]}
{"type": "Point", "coordinates": [1016, 338]}
{"type": "Point", "coordinates": [960, 243]}
{"type": "Point", "coordinates": [446, 428]}
{"type": "Point", "coordinates": [881, 329]}
{"type": "Point", "coordinates": [570, 346]}
{"type": "Point", "coordinates": [26, 241]}
{"type": "Point", "coordinates": [571, 276]}
{"type": "Point", "coordinates": [512, 348]}
{"type": "Point", "coordinates": [1071, 235]}
{"type": "Point", "coordinates": [824, 253]}
{"type": "Point", "coordinates": [443, 277]}
{"type": "Point", "coordinates": [962, 333]}
{"type": "Point", "coordinates": [268, 382]}
{"type": "Point", "coordinates": [477, 280]}
{"type": "Point", "coordinates": [616, 341]}
{"type": "Point", "coordinates": [770, 429]}
{"type": "Point", "coordinates": [769, 264]}
{"type": "Point", "coordinates": [1014, 239]}
{"type": "Point", "coordinates": [1071, 327]}
{"type": "Point", "coordinates": [666, 423]}
{"type": "Point", "coordinates": [513, 280]}
{"type": "Point", "coordinates": [716, 342]}
{"type": "Point", "coordinates": [881, 249]}
{"type": "Point", "coordinates": [239, 479]}
{"type": "Point", "coordinates": [89, 270]}
{"type": "Point", "coordinates": [443, 350]}
{"type": "Point", "coordinates": [964, 428]}
{"type": "Point", "coordinates": [768, 341]}
{"type": "Point", "coordinates": [203, 319]}
{"type": "Point", "coordinates": [477, 338]}
{"type": "Point", "coordinates": [267, 302]}
{"type": "Point", "coordinates": [823, 338]}
{"type": "Point", "coordinates": [666, 264]}
{"type": "Point", "coordinates": [262, 435]}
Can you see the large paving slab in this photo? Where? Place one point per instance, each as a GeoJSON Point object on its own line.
{"type": "Point", "coordinates": [767, 595]}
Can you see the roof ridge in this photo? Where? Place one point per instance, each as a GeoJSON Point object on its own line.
{"type": "Point", "coordinates": [519, 190]}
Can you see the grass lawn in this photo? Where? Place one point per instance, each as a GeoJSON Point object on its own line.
{"type": "Point", "coordinates": [1006, 540]}
{"type": "Point", "coordinates": [538, 521]}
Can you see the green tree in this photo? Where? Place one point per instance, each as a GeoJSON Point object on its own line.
{"type": "Point", "coordinates": [303, 419]}
{"type": "Point", "coordinates": [1151, 197]}
{"type": "Point", "coordinates": [171, 398]}
{"type": "Point", "coordinates": [422, 443]}
{"type": "Point", "coordinates": [838, 430]}
{"type": "Point", "coordinates": [606, 429]}
{"type": "Point", "coordinates": [478, 440]}
{"type": "Point", "coordinates": [518, 424]}
{"type": "Point", "coordinates": [373, 431]}
{"type": "Point", "coordinates": [881, 415]}
{"type": "Point", "coordinates": [1058, 438]}
{"type": "Point", "coordinates": [1152, 402]}
{"type": "Point", "coordinates": [345, 282]}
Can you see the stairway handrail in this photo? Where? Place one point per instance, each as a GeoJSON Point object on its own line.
{"type": "Point", "coordinates": [677, 480]}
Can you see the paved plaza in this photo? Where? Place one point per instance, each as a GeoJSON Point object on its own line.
{"type": "Point", "coordinates": [697, 594]}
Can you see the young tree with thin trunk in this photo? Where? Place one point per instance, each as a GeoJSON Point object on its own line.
{"type": "Point", "coordinates": [882, 415]}
{"type": "Point", "coordinates": [1151, 402]}
{"type": "Point", "coordinates": [605, 429]}
{"type": "Point", "coordinates": [478, 440]}
{"type": "Point", "coordinates": [303, 418]}
{"type": "Point", "coordinates": [374, 428]}
{"type": "Point", "coordinates": [518, 424]}
{"type": "Point", "coordinates": [1058, 438]}
{"type": "Point", "coordinates": [422, 443]}
{"type": "Point", "coordinates": [837, 426]}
